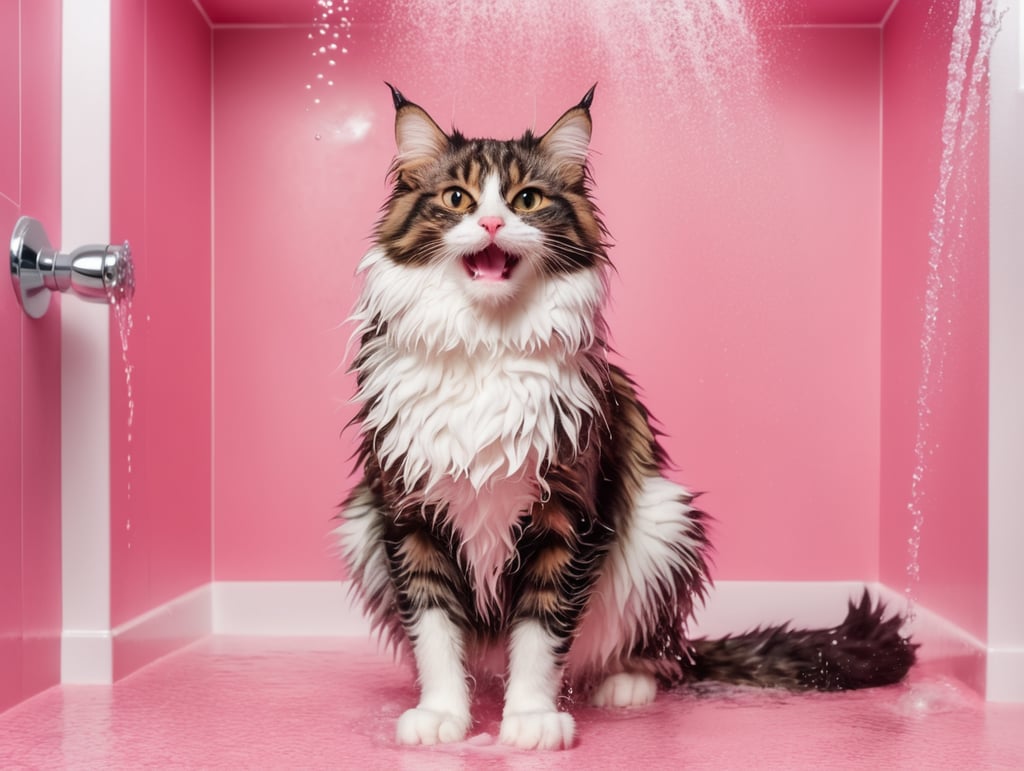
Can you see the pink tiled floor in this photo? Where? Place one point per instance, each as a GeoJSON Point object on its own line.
{"type": "Point", "coordinates": [266, 703]}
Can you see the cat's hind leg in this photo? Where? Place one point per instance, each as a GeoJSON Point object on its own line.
{"type": "Point", "coordinates": [625, 689]}
{"type": "Point", "coordinates": [632, 633]}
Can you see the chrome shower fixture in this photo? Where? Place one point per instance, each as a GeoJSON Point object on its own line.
{"type": "Point", "coordinates": [98, 273]}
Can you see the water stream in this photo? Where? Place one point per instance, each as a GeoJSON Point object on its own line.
{"type": "Point", "coordinates": [977, 23]}
{"type": "Point", "coordinates": [120, 296]}
{"type": "Point", "coordinates": [329, 39]}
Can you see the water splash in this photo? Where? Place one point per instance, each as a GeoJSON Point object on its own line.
{"type": "Point", "coordinates": [330, 37]}
{"type": "Point", "coordinates": [711, 44]}
{"type": "Point", "coordinates": [975, 30]}
{"type": "Point", "coordinates": [699, 56]}
{"type": "Point", "coordinates": [119, 295]}
{"type": "Point", "coordinates": [937, 696]}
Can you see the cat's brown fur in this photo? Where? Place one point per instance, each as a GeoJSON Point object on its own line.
{"type": "Point", "coordinates": [514, 490]}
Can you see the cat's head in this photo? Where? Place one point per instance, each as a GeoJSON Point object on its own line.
{"type": "Point", "coordinates": [497, 216]}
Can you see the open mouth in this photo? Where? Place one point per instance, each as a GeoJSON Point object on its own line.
{"type": "Point", "coordinates": [490, 264]}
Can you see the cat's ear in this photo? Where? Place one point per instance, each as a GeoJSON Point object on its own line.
{"type": "Point", "coordinates": [568, 140]}
{"type": "Point", "coordinates": [418, 137]}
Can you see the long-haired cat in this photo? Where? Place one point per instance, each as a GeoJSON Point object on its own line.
{"type": "Point", "coordinates": [513, 494]}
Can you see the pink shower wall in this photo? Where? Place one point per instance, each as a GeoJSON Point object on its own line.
{"type": "Point", "coordinates": [746, 302]}
{"type": "Point", "coordinates": [290, 215]}
{"type": "Point", "coordinates": [160, 201]}
{"type": "Point", "coordinates": [30, 604]}
{"type": "Point", "coordinates": [953, 554]}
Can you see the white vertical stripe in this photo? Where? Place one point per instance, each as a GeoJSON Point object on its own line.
{"type": "Point", "coordinates": [1005, 680]}
{"type": "Point", "coordinates": [85, 357]}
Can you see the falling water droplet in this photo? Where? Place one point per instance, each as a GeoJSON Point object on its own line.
{"type": "Point", "coordinates": [330, 20]}
{"type": "Point", "coordinates": [965, 92]}
{"type": "Point", "coordinates": [120, 295]}
{"type": "Point", "coordinates": [316, 136]}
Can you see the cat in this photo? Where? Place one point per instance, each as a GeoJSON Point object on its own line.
{"type": "Point", "coordinates": [513, 494]}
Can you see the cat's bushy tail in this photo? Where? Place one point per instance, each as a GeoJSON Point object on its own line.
{"type": "Point", "coordinates": [864, 651]}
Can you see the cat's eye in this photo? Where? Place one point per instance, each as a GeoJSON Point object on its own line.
{"type": "Point", "coordinates": [528, 199]}
{"type": "Point", "coordinates": [457, 199]}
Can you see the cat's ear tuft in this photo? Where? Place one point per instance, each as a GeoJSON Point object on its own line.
{"type": "Point", "coordinates": [587, 100]}
{"type": "Point", "coordinates": [396, 96]}
{"type": "Point", "coordinates": [568, 140]}
{"type": "Point", "coordinates": [418, 137]}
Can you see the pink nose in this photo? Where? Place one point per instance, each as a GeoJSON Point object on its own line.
{"type": "Point", "coordinates": [491, 224]}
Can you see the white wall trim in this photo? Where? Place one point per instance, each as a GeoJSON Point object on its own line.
{"type": "Point", "coordinates": [91, 657]}
{"type": "Point", "coordinates": [1005, 634]}
{"type": "Point", "coordinates": [945, 648]}
{"type": "Point", "coordinates": [287, 608]}
{"type": "Point", "coordinates": [186, 616]}
{"type": "Point", "coordinates": [1005, 675]}
{"type": "Point", "coordinates": [736, 606]}
{"type": "Point", "coordinates": [325, 609]}
{"type": "Point", "coordinates": [85, 343]}
{"type": "Point", "coordinates": [86, 657]}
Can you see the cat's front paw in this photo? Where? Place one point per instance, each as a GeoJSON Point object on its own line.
{"type": "Point", "coordinates": [546, 730]}
{"type": "Point", "coordinates": [625, 689]}
{"type": "Point", "coordinates": [428, 726]}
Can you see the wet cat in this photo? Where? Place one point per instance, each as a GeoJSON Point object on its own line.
{"type": "Point", "coordinates": [513, 494]}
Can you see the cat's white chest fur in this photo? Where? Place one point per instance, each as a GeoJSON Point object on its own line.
{"type": "Point", "coordinates": [481, 418]}
{"type": "Point", "coordinates": [471, 435]}
{"type": "Point", "coordinates": [458, 392]}
{"type": "Point", "coordinates": [466, 405]}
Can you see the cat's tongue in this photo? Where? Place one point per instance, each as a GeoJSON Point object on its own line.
{"type": "Point", "coordinates": [491, 264]}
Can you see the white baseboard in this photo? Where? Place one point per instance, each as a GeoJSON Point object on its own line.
{"type": "Point", "coordinates": [325, 609]}
{"type": "Point", "coordinates": [1005, 675]}
{"type": "Point", "coordinates": [736, 606]}
{"type": "Point", "coordinates": [103, 656]}
{"type": "Point", "coordinates": [86, 657]}
{"type": "Point", "coordinates": [286, 608]}
{"type": "Point", "coordinates": [945, 648]}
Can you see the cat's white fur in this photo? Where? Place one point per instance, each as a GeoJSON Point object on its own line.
{"type": "Point", "coordinates": [442, 714]}
{"type": "Point", "coordinates": [473, 382]}
{"type": "Point", "coordinates": [471, 390]}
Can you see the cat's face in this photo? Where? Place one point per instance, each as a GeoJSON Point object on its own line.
{"type": "Point", "coordinates": [495, 216]}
